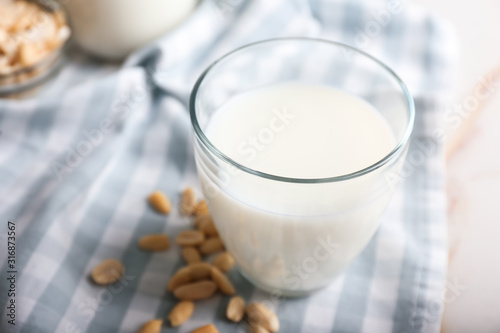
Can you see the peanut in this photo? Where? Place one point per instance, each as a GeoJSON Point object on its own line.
{"type": "Point", "coordinates": [188, 201]}
{"type": "Point", "coordinates": [222, 281]}
{"type": "Point", "coordinates": [160, 202]}
{"type": "Point", "coordinates": [180, 313]}
{"type": "Point", "coordinates": [200, 271]}
{"type": "Point", "coordinates": [257, 329]}
{"type": "Point", "coordinates": [224, 262]}
{"type": "Point", "coordinates": [207, 226]}
{"type": "Point", "coordinates": [260, 315]}
{"type": "Point", "coordinates": [200, 208]}
{"type": "Point", "coordinates": [191, 254]}
{"type": "Point", "coordinates": [235, 309]}
{"type": "Point", "coordinates": [156, 242]}
{"type": "Point", "coordinates": [190, 238]}
{"type": "Point", "coordinates": [29, 54]}
{"type": "Point", "coordinates": [211, 246]}
{"type": "Point", "coordinates": [60, 18]}
{"type": "Point", "coordinates": [200, 218]}
{"type": "Point", "coordinates": [180, 278]}
{"type": "Point", "coordinates": [152, 326]}
{"type": "Point", "coordinates": [210, 328]}
{"type": "Point", "coordinates": [107, 272]}
{"type": "Point", "coordinates": [195, 291]}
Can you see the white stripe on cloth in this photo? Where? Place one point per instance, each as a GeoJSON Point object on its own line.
{"type": "Point", "coordinates": [14, 126]}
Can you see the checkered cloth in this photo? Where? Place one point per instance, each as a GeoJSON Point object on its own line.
{"type": "Point", "coordinates": [78, 161]}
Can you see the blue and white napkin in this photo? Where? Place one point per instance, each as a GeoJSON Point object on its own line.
{"type": "Point", "coordinates": [78, 161]}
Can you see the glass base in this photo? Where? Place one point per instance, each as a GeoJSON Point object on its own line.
{"type": "Point", "coordinates": [279, 292]}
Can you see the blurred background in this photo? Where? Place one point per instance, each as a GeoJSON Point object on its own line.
{"type": "Point", "coordinates": [473, 165]}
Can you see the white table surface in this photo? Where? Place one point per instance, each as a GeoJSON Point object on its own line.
{"type": "Point", "coordinates": [474, 173]}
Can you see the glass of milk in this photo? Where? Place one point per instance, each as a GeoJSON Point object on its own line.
{"type": "Point", "coordinates": [299, 145]}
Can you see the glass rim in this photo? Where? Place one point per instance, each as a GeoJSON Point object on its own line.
{"type": "Point", "coordinates": [393, 154]}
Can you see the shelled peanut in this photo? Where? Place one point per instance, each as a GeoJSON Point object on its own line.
{"type": "Point", "coordinates": [198, 279]}
{"type": "Point", "coordinates": [29, 33]}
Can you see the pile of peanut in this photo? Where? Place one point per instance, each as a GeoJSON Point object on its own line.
{"type": "Point", "coordinates": [28, 34]}
{"type": "Point", "coordinates": [198, 279]}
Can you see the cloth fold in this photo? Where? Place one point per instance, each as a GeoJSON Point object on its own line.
{"type": "Point", "coordinates": [78, 161]}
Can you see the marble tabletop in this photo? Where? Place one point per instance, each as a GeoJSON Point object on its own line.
{"type": "Point", "coordinates": [472, 299]}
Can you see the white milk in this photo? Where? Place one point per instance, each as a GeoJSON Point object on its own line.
{"type": "Point", "coordinates": [286, 236]}
{"type": "Point", "coordinates": [113, 28]}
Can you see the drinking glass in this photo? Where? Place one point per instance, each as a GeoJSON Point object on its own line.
{"type": "Point", "coordinates": [292, 236]}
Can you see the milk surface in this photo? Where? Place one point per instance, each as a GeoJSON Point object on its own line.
{"type": "Point", "coordinates": [286, 236]}
{"type": "Point", "coordinates": [301, 131]}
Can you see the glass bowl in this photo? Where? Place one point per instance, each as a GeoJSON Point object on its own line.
{"type": "Point", "coordinates": [23, 81]}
